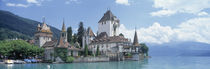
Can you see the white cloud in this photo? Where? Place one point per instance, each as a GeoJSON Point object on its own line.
{"type": "Point", "coordinates": [182, 6]}
{"type": "Point", "coordinates": [69, 1]}
{"type": "Point", "coordinates": [28, 3]}
{"type": "Point", "coordinates": [202, 13]}
{"type": "Point", "coordinates": [163, 13]}
{"type": "Point", "coordinates": [197, 29]}
{"type": "Point", "coordinates": [17, 5]}
{"type": "Point", "coordinates": [10, 4]}
{"type": "Point", "coordinates": [36, 2]}
{"type": "Point", "coordinates": [32, 1]}
{"type": "Point", "coordinates": [123, 2]}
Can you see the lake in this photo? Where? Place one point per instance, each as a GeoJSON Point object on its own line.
{"type": "Point", "coordinates": [151, 63]}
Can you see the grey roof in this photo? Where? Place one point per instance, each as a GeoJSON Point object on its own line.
{"type": "Point", "coordinates": [108, 16]}
{"type": "Point", "coordinates": [90, 32]}
{"type": "Point", "coordinates": [102, 35]}
{"type": "Point", "coordinates": [110, 39]}
{"type": "Point", "coordinates": [52, 43]}
{"type": "Point", "coordinates": [135, 41]}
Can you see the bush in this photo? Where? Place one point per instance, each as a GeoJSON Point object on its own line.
{"type": "Point", "coordinates": [19, 49]}
{"type": "Point", "coordinates": [86, 51]}
{"type": "Point", "coordinates": [69, 59]}
{"type": "Point", "coordinates": [97, 51]}
{"type": "Point", "coordinates": [61, 52]}
{"type": "Point", "coordinates": [129, 55]}
{"type": "Point", "coordinates": [144, 49]}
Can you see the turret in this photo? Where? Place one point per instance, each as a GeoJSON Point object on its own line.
{"type": "Point", "coordinates": [63, 27]}
{"type": "Point", "coordinates": [109, 24]}
{"type": "Point", "coordinates": [64, 33]}
{"type": "Point", "coordinates": [135, 40]}
{"type": "Point", "coordinates": [63, 37]}
{"type": "Point", "coordinates": [43, 34]}
{"type": "Point", "coordinates": [38, 27]}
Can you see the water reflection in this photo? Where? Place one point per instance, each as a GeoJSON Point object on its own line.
{"type": "Point", "coordinates": [10, 66]}
{"type": "Point", "coordinates": [151, 63]}
{"type": "Point", "coordinates": [103, 65]}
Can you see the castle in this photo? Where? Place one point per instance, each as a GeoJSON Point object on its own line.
{"type": "Point", "coordinates": [108, 40]}
{"type": "Point", "coordinates": [43, 38]}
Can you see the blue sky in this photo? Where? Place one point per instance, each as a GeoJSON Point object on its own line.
{"type": "Point", "coordinates": [157, 21]}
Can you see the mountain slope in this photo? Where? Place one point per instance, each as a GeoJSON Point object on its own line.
{"type": "Point", "coordinates": [180, 49]}
{"type": "Point", "coordinates": [20, 25]}
{"type": "Point", "coordinates": [9, 34]}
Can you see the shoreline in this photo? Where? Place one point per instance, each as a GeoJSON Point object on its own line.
{"type": "Point", "coordinates": [146, 57]}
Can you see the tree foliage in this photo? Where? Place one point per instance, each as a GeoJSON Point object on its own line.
{"type": "Point", "coordinates": [75, 38]}
{"type": "Point", "coordinates": [9, 34]}
{"type": "Point", "coordinates": [19, 49]}
{"type": "Point", "coordinates": [97, 51]}
{"type": "Point", "coordinates": [80, 33]}
{"type": "Point", "coordinates": [86, 51]}
{"type": "Point", "coordinates": [121, 34]}
{"type": "Point", "coordinates": [144, 48]}
{"type": "Point", "coordinates": [61, 52]}
{"type": "Point", "coordinates": [69, 35]}
{"type": "Point", "coordinates": [69, 59]}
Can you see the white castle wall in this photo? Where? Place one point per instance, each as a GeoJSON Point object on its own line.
{"type": "Point", "coordinates": [43, 40]}
{"type": "Point", "coordinates": [108, 28]}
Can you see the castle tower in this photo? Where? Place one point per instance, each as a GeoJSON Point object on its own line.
{"type": "Point", "coordinates": [64, 33]}
{"type": "Point", "coordinates": [109, 24]}
{"type": "Point", "coordinates": [63, 37]}
{"type": "Point", "coordinates": [87, 37]}
{"type": "Point", "coordinates": [135, 40]}
{"type": "Point", "coordinates": [43, 34]}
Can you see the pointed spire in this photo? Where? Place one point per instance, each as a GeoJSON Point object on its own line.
{"type": "Point", "coordinates": [135, 41]}
{"type": "Point", "coordinates": [63, 27]}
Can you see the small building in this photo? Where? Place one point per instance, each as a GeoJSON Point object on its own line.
{"type": "Point", "coordinates": [50, 45]}
{"type": "Point", "coordinates": [108, 40]}
{"type": "Point", "coordinates": [87, 37]}
{"type": "Point", "coordinates": [43, 34]}
{"type": "Point", "coordinates": [108, 46]}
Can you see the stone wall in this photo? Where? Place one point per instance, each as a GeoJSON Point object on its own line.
{"type": "Point", "coordinates": [91, 59]}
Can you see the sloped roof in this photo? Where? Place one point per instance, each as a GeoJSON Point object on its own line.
{"type": "Point", "coordinates": [108, 16]}
{"type": "Point", "coordinates": [44, 28]}
{"type": "Point", "coordinates": [135, 41]}
{"type": "Point", "coordinates": [110, 39]}
{"type": "Point", "coordinates": [63, 27]}
{"type": "Point", "coordinates": [102, 35]}
{"type": "Point", "coordinates": [50, 43]}
{"type": "Point", "coordinates": [90, 32]}
{"type": "Point", "coordinates": [62, 43]}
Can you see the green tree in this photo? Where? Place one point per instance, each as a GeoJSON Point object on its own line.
{"type": "Point", "coordinates": [75, 38]}
{"type": "Point", "coordinates": [144, 48]}
{"type": "Point", "coordinates": [69, 59]}
{"type": "Point", "coordinates": [86, 50]}
{"type": "Point", "coordinates": [80, 33]}
{"type": "Point", "coordinates": [69, 35]}
{"type": "Point", "coordinates": [61, 52]}
{"type": "Point", "coordinates": [121, 34]}
{"type": "Point", "coordinates": [19, 49]}
{"type": "Point", "coordinates": [97, 51]}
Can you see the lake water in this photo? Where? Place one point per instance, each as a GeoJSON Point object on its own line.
{"type": "Point", "coordinates": [151, 63]}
